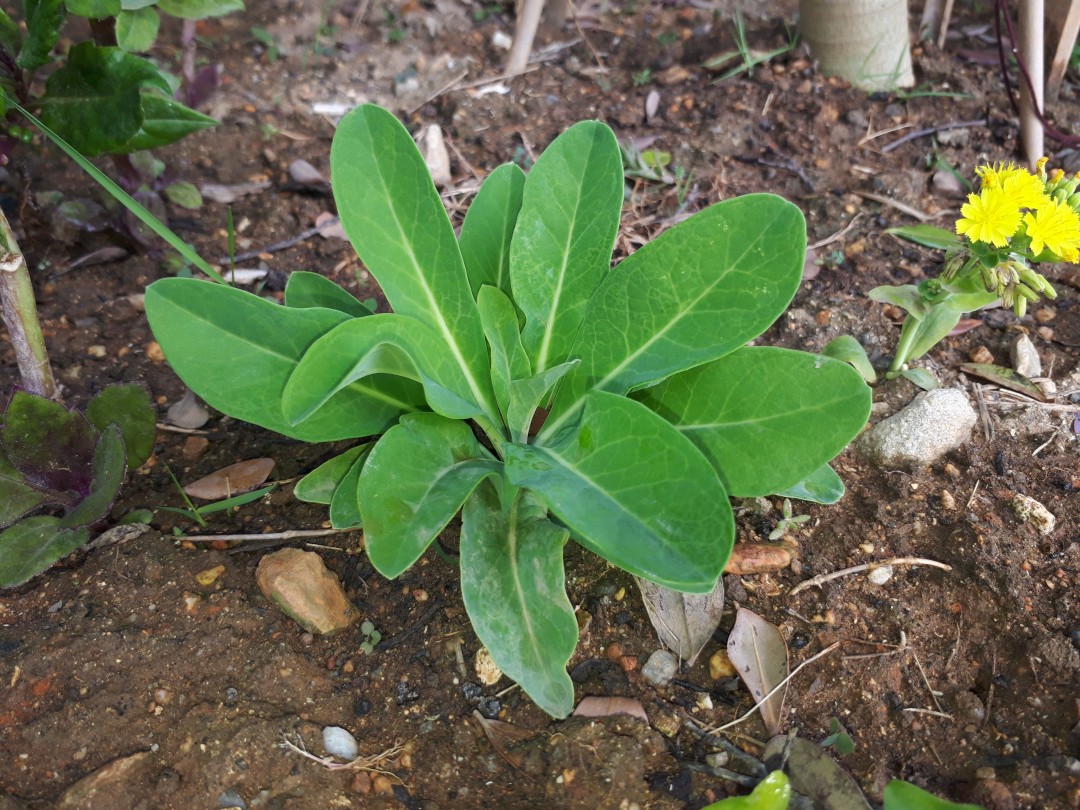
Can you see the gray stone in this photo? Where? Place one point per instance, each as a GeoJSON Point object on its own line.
{"type": "Point", "coordinates": [660, 668]}
{"type": "Point", "coordinates": [946, 184]}
{"type": "Point", "coordinates": [1025, 357]}
{"type": "Point", "coordinates": [935, 423]}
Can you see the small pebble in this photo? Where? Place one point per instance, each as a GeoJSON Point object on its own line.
{"type": "Point", "coordinates": [880, 575]}
{"type": "Point", "coordinates": [486, 669]}
{"type": "Point", "coordinates": [1045, 315]}
{"type": "Point", "coordinates": [383, 785]}
{"type": "Point", "coordinates": [980, 354]}
{"type": "Point", "coordinates": [154, 352]}
{"type": "Point", "coordinates": [340, 743]}
{"type": "Point", "coordinates": [952, 471]}
{"type": "Point", "coordinates": [97, 351]}
{"type": "Point", "coordinates": [947, 500]}
{"type": "Point", "coordinates": [660, 668]}
{"type": "Point", "coordinates": [230, 798]}
{"type": "Point", "coordinates": [720, 666]}
{"type": "Point", "coordinates": [1033, 512]}
{"type": "Point", "coordinates": [1025, 357]}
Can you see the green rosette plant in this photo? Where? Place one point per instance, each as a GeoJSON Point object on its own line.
{"type": "Point", "coordinates": [522, 381]}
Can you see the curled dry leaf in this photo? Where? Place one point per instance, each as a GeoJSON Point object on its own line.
{"type": "Point", "coordinates": [684, 622]}
{"type": "Point", "coordinates": [757, 558]}
{"type": "Point", "coordinates": [243, 476]}
{"type": "Point", "coordinates": [597, 706]}
{"type": "Point", "coordinates": [757, 649]}
{"type": "Point", "coordinates": [502, 736]}
{"type": "Point", "coordinates": [216, 192]}
{"type": "Point", "coordinates": [188, 412]}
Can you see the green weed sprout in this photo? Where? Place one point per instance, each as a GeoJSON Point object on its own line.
{"type": "Point", "coordinates": [1016, 220]}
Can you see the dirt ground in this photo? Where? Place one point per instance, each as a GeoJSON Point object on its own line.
{"type": "Point", "coordinates": [182, 695]}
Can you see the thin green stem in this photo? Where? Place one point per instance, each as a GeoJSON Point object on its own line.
{"type": "Point", "coordinates": [494, 432]}
{"type": "Point", "coordinates": [20, 316]}
{"type": "Point", "coordinates": [903, 347]}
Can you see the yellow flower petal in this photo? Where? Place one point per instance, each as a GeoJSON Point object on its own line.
{"type": "Point", "coordinates": [989, 216]}
{"type": "Point", "coordinates": [1055, 226]}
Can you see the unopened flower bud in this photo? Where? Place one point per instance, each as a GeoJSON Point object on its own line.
{"type": "Point", "coordinates": [1020, 306]}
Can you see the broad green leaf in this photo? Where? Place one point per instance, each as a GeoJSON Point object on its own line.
{"type": "Point", "coordinates": [10, 36]}
{"type": "Point", "coordinates": [901, 795]}
{"type": "Point", "coordinates": [53, 447]}
{"type": "Point", "coordinates": [489, 227]}
{"type": "Point", "coordinates": [93, 9]}
{"type": "Point", "coordinates": [927, 235]}
{"type": "Point", "coordinates": [32, 545]}
{"type": "Point", "coordinates": [345, 503]}
{"type": "Point", "coordinates": [164, 120]}
{"type": "Point", "coordinates": [765, 417]}
{"type": "Point", "coordinates": [393, 215]}
{"type": "Point", "coordinates": [319, 485]}
{"type": "Point", "coordinates": [304, 290]}
{"type": "Point", "coordinates": [695, 293]}
{"type": "Point", "coordinates": [43, 21]}
{"type": "Point", "coordinates": [94, 100]}
{"type": "Point", "coordinates": [850, 351]}
{"type": "Point", "coordinates": [110, 464]}
{"type": "Point", "coordinates": [928, 332]}
{"type": "Point", "coordinates": [129, 407]}
{"type": "Point", "coordinates": [184, 194]}
{"type": "Point", "coordinates": [565, 231]}
{"type": "Point", "coordinates": [508, 359]}
{"type": "Point", "coordinates": [823, 485]}
{"type": "Point", "coordinates": [772, 793]}
{"type": "Point", "coordinates": [237, 351]}
{"type": "Point", "coordinates": [200, 9]}
{"type": "Point", "coordinates": [416, 479]}
{"type": "Point", "coordinates": [635, 491]}
{"type": "Point", "coordinates": [906, 296]}
{"type": "Point", "coordinates": [527, 395]}
{"type": "Point", "coordinates": [514, 589]}
{"type": "Point", "coordinates": [379, 344]}
{"type": "Point", "coordinates": [16, 496]}
{"type": "Point", "coordinates": [135, 5]}
{"type": "Point", "coordinates": [922, 377]}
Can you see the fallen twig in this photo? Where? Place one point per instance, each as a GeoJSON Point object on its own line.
{"type": "Point", "coordinates": [291, 534]}
{"type": "Point", "coordinates": [899, 206]}
{"type": "Point", "coordinates": [370, 764]}
{"type": "Point", "coordinates": [821, 579]}
{"type": "Point", "coordinates": [828, 240]}
{"type": "Point", "coordinates": [922, 133]}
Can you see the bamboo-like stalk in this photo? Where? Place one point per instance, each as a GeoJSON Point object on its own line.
{"type": "Point", "coordinates": [20, 316]}
{"type": "Point", "coordinates": [1031, 99]}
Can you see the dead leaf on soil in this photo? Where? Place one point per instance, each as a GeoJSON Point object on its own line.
{"type": "Point", "coordinates": [235, 479]}
{"type": "Point", "coordinates": [503, 735]}
{"type": "Point", "coordinates": [684, 621]}
{"type": "Point", "coordinates": [757, 558]}
{"type": "Point", "coordinates": [965, 325]}
{"type": "Point", "coordinates": [757, 649]}
{"type": "Point", "coordinates": [597, 706]}
{"type": "Point", "coordinates": [303, 173]}
{"type": "Point", "coordinates": [1005, 377]}
{"type": "Point", "coordinates": [330, 227]}
{"type": "Point", "coordinates": [814, 773]}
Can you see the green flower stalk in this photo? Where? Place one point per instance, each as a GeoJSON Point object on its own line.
{"type": "Point", "coordinates": [1016, 220]}
{"type": "Point", "coordinates": [20, 316]}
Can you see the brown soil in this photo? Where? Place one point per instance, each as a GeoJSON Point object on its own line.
{"type": "Point", "coordinates": [964, 682]}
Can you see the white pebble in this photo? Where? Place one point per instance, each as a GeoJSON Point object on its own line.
{"type": "Point", "coordinates": [340, 743]}
{"type": "Point", "coordinates": [880, 575]}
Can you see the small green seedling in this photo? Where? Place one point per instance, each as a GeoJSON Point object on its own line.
{"type": "Point", "coordinates": [525, 383]}
{"type": "Point", "coordinates": [900, 795]}
{"type": "Point", "coordinates": [772, 793]}
{"type": "Point", "coordinates": [744, 59]}
{"type": "Point", "coordinates": [198, 513]}
{"type": "Point", "coordinates": [787, 523]}
{"type": "Point", "coordinates": [372, 637]}
{"type": "Point", "coordinates": [838, 739]}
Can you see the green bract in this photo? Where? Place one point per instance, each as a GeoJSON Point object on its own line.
{"type": "Point", "coordinates": [615, 407]}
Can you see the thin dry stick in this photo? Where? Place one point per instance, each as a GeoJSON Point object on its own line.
{"type": "Point", "coordinates": [828, 240]}
{"type": "Point", "coordinates": [870, 136]}
{"type": "Point", "coordinates": [922, 133]}
{"type": "Point", "coordinates": [176, 429]}
{"type": "Point", "coordinates": [928, 711]}
{"type": "Point", "coordinates": [925, 680]}
{"type": "Point", "coordinates": [899, 206]}
{"type": "Point", "coordinates": [956, 645]}
{"type": "Point", "coordinates": [291, 534]}
{"type": "Point", "coordinates": [984, 414]}
{"type": "Point", "coordinates": [369, 764]}
{"type": "Point", "coordinates": [821, 579]}
{"type": "Point", "coordinates": [775, 689]}
{"type": "Point", "coordinates": [971, 498]}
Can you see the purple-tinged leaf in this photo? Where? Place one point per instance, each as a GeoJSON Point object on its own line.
{"type": "Point", "coordinates": [32, 545]}
{"type": "Point", "coordinates": [204, 85]}
{"type": "Point", "coordinates": [128, 406]}
{"type": "Point", "coordinates": [16, 496]}
{"type": "Point", "coordinates": [110, 464]}
{"type": "Point", "coordinates": [50, 445]}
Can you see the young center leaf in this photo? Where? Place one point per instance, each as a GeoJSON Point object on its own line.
{"type": "Point", "coordinates": [509, 361]}
{"type": "Point", "coordinates": [237, 351]}
{"type": "Point", "coordinates": [415, 480]}
{"type": "Point", "coordinates": [304, 290]}
{"type": "Point", "coordinates": [514, 588]}
{"type": "Point", "coordinates": [393, 215]}
{"type": "Point", "coordinates": [693, 294]}
{"type": "Point", "coordinates": [489, 226]}
{"type": "Point", "coordinates": [632, 489]}
{"type": "Point", "coordinates": [565, 231]}
{"type": "Point", "coordinates": [319, 485]}
{"type": "Point", "coordinates": [748, 413]}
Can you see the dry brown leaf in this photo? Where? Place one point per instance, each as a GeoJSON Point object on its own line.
{"type": "Point", "coordinates": [597, 706]}
{"type": "Point", "coordinates": [757, 649]}
{"type": "Point", "coordinates": [243, 476]}
{"type": "Point", "coordinates": [503, 735]}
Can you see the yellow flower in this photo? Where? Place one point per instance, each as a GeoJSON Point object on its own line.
{"type": "Point", "coordinates": [989, 216]}
{"type": "Point", "coordinates": [1024, 189]}
{"type": "Point", "coordinates": [1055, 226]}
